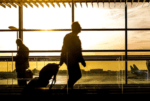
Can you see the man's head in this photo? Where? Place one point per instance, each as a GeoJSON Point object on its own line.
{"type": "Point", "coordinates": [76, 28]}
{"type": "Point", "coordinates": [19, 42]}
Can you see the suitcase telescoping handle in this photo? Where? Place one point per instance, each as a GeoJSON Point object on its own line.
{"type": "Point", "coordinates": [52, 84]}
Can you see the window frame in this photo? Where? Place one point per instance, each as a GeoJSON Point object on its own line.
{"type": "Point", "coordinates": [126, 29]}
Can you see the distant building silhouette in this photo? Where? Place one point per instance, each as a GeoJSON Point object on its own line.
{"type": "Point", "coordinates": [96, 71]}
{"type": "Point", "coordinates": [62, 72]}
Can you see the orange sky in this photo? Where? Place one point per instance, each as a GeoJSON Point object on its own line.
{"type": "Point", "coordinates": [105, 65]}
{"type": "Point", "coordinates": [96, 17]}
{"type": "Point", "coordinates": [102, 17]}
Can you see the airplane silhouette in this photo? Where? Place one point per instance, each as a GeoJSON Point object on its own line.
{"type": "Point", "coordinates": [140, 74]}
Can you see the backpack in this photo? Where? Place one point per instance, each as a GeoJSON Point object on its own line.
{"type": "Point", "coordinates": [47, 72]}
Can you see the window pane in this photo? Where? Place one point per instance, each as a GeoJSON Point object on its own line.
{"type": "Point", "coordinates": [96, 72]}
{"type": "Point", "coordinates": [103, 72]}
{"type": "Point", "coordinates": [8, 17]}
{"type": "Point", "coordinates": [138, 53]}
{"type": "Point", "coordinates": [90, 40]}
{"type": "Point", "coordinates": [7, 76]}
{"type": "Point", "coordinates": [8, 40]}
{"type": "Point", "coordinates": [84, 53]}
{"type": "Point", "coordinates": [44, 54]}
{"type": "Point", "coordinates": [138, 39]}
{"type": "Point", "coordinates": [44, 40]}
{"type": "Point", "coordinates": [100, 17]}
{"type": "Point", "coordinates": [137, 75]}
{"type": "Point", "coordinates": [47, 17]}
{"type": "Point", "coordinates": [102, 40]}
{"type": "Point", "coordinates": [138, 17]}
{"type": "Point", "coordinates": [102, 53]}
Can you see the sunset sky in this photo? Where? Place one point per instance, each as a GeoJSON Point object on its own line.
{"type": "Point", "coordinates": [88, 17]}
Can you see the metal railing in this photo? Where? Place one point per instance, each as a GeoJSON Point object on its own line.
{"type": "Point", "coordinates": [86, 57]}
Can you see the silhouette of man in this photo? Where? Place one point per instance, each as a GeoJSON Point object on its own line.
{"type": "Point", "coordinates": [71, 55]}
{"type": "Point", "coordinates": [22, 62]}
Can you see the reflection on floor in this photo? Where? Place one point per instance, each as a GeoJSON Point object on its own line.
{"type": "Point", "coordinates": [81, 89]}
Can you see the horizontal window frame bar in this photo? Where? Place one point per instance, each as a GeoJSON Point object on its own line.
{"type": "Point", "coordinates": [87, 58]}
{"type": "Point", "coordinates": [107, 29]}
{"type": "Point", "coordinates": [7, 51]}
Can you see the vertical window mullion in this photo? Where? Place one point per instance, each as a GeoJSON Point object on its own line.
{"type": "Point", "coordinates": [72, 11]}
{"type": "Point", "coordinates": [21, 22]}
{"type": "Point", "coordinates": [126, 57]}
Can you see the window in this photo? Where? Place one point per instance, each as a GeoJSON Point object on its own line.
{"type": "Point", "coordinates": [97, 24]}
{"type": "Point", "coordinates": [47, 17]}
{"type": "Point", "coordinates": [138, 17]}
{"type": "Point", "coordinates": [102, 40]}
{"type": "Point", "coordinates": [100, 17]}
{"type": "Point", "coordinates": [8, 41]}
{"type": "Point", "coordinates": [138, 40]}
{"type": "Point", "coordinates": [9, 17]}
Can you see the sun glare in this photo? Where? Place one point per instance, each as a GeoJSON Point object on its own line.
{"type": "Point", "coordinates": [49, 18]}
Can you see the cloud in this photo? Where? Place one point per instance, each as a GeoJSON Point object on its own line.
{"type": "Point", "coordinates": [138, 17]}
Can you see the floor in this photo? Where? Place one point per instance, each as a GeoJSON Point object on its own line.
{"type": "Point", "coordinates": [79, 89]}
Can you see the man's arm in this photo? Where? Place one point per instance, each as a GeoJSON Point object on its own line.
{"type": "Point", "coordinates": [82, 61]}
{"type": "Point", "coordinates": [62, 58]}
{"type": "Point", "coordinates": [63, 52]}
{"type": "Point", "coordinates": [81, 56]}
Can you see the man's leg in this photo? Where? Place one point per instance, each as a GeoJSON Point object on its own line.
{"type": "Point", "coordinates": [74, 75]}
{"type": "Point", "coordinates": [21, 78]}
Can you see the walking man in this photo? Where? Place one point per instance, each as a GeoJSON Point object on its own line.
{"type": "Point", "coordinates": [22, 62]}
{"type": "Point", "coordinates": [71, 55]}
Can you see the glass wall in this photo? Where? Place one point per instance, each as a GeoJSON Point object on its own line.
{"type": "Point", "coordinates": [47, 17]}
{"type": "Point", "coordinates": [96, 72]}
{"type": "Point", "coordinates": [44, 40]}
{"type": "Point", "coordinates": [8, 75]}
{"type": "Point", "coordinates": [138, 72]}
{"type": "Point", "coordinates": [8, 40]}
{"type": "Point", "coordinates": [9, 17]}
{"type": "Point", "coordinates": [138, 40]}
{"type": "Point", "coordinates": [93, 17]}
{"type": "Point", "coordinates": [138, 15]}
{"type": "Point", "coordinates": [96, 16]}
